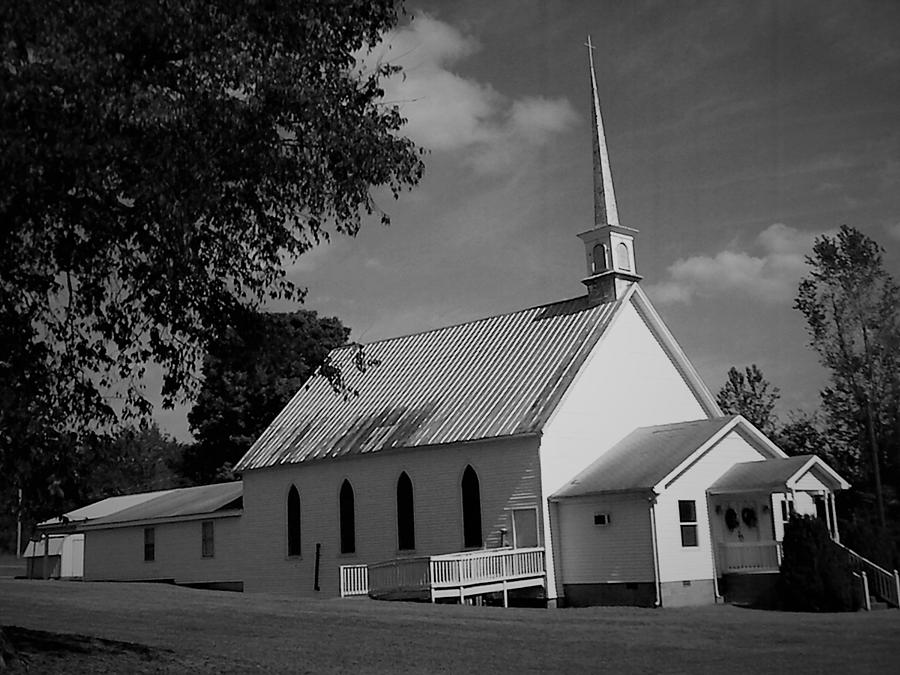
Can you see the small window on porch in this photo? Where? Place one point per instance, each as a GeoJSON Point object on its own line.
{"type": "Point", "coordinates": [687, 515]}
{"type": "Point", "coordinates": [601, 519]}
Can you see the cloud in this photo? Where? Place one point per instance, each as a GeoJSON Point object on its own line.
{"type": "Point", "coordinates": [448, 112]}
{"type": "Point", "coordinates": [770, 275]}
{"type": "Point", "coordinates": [894, 231]}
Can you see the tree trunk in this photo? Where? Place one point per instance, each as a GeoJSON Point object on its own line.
{"type": "Point", "coordinates": [876, 462]}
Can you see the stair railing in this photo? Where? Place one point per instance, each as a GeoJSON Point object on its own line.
{"type": "Point", "coordinates": [883, 585]}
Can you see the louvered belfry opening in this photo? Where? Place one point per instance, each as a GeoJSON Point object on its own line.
{"type": "Point", "coordinates": [293, 521]}
{"type": "Point", "coordinates": [348, 519]}
{"type": "Point", "coordinates": [471, 503]}
{"type": "Point", "coordinates": [406, 517]}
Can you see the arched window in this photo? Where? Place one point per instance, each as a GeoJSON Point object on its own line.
{"type": "Point", "coordinates": [598, 256]}
{"type": "Point", "coordinates": [406, 517]}
{"type": "Point", "coordinates": [623, 257]}
{"type": "Point", "coordinates": [471, 503]}
{"type": "Point", "coordinates": [348, 520]}
{"type": "Point", "coordinates": [293, 521]}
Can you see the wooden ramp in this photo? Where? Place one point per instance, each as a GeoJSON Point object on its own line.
{"type": "Point", "coordinates": [453, 575]}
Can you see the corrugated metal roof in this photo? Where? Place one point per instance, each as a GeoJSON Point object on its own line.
{"type": "Point", "coordinates": [180, 502]}
{"type": "Point", "coordinates": [499, 376]}
{"type": "Point", "coordinates": [767, 474]}
{"type": "Point", "coordinates": [103, 508]}
{"type": "Point", "coordinates": [643, 458]}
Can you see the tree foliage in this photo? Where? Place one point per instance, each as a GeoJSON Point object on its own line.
{"type": "Point", "coordinates": [811, 434]}
{"type": "Point", "coordinates": [159, 162]}
{"type": "Point", "coordinates": [750, 394]}
{"type": "Point", "coordinates": [138, 459]}
{"type": "Point", "coordinates": [815, 575]}
{"type": "Point", "coordinates": [852, 310]}
{"type": "Point", "coordinates": [249, 374]}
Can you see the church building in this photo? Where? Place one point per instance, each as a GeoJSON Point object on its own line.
{"type": "Point", "coordinates": [564, 454]}
{"type": "Point", "coordinates": [568, 452]}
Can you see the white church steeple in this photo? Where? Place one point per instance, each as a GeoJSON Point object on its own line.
{"type": "Point", "coordinates": [609, 247]}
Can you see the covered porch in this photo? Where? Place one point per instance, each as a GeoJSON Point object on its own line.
{"type": "Point", "coordinates": [750, 504]}
{"type": "Point", "coordinates": [459, 576]}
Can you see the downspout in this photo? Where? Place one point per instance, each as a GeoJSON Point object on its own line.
{"type": "Point", "coordinates": [657, 583]}
{"type": "Point", "coordinates": [712, 549]}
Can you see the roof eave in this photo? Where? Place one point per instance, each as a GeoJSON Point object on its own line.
{"type": "Point", "coordinates": [159, 520]}
{"type": "Point", "coordinates": [676, 353]}
{"type": "Point", "coordinates": [649, 491]}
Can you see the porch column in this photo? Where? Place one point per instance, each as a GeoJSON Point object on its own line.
{"type": "Point", "coordinates": [829, 500]}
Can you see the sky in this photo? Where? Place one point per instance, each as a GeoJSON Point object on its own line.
{"type": "Point", "coordinates": [737, 133]}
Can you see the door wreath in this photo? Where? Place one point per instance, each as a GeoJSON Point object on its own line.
{"type": "Point", "coordinates": [731, 519]}
{"type": "Point", "coordinates": [748, 515]}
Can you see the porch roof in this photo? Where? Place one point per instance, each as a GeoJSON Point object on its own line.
{"type": "Point", "coordinates": [644, 458]}
{"type": "Point", "coordinates": [776, 474]}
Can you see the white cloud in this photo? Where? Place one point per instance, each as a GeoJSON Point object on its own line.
{"type": "Point", "coordinates": [449, 112]}
{"type": "Point", "coordinates": [771, 274]}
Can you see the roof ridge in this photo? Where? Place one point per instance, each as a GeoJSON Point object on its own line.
{"type": "Point", "coordinates": [465, 323]}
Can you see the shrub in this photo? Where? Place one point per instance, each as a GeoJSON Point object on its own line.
{"type": "Point", "coordinates": [815, 575]}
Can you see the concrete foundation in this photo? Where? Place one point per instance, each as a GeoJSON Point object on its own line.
{"type": "Point", "coordinates": [688, 593]}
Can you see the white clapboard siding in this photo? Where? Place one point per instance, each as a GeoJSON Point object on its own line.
{"type": "Point", "coordinates": [627, 382]}
{"type": "Point", "coordinates": [676, 562]}
{"type": "Point", "coordinates": [117, 553]}
{"type": "Point", "coordinates": [808, 481]}
{"type": "Point", "coordinates": [618, 552]}
{"type": "Point", "coordinates": [507, 470]}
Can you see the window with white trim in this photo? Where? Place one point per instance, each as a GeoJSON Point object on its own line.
{"type": "Point", "coordinates": [687, 515]}
{"type": "Point", "coordinates": [602, 519]}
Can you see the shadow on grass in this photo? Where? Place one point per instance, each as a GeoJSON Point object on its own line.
{"type": "Point", "coordinates": [35, 650]}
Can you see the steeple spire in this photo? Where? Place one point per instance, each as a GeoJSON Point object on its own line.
{"type": "Point", "coordinates": [608, 246]}
{"type": "Point", "coordinates": [605, 210]}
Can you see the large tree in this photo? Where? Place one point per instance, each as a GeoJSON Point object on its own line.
{"type": "Point", "coordinates": [750, 394]}
{"type": "Point", "coordinates": [159, 163]}
{"type": "Point", "coordinates": [249, 373]}
{"type": "Point", "coordinates": [852, 310]}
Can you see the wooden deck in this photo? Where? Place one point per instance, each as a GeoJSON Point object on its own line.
{"type": "Point", "coordinates": [453, 575]}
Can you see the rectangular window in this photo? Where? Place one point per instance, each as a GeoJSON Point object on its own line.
{"type": "Point", "coordinates": [525, 529]}
{"type": "Point", "coordinates": [601, 519]}
{"type": "Point", "coordinates": [209, 542]}
{"type": "Point", "coordinates": [687, 514]}
{"type": "Point", "coordinates": [149, 544]}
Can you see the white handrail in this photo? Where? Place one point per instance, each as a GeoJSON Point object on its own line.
{"type": "Point", "coordinates": [354, 580]}
{"type": "Point", "coordinates": [883, 584]}
{"type": "Point", "coordinates": [463, 570]}
{"type": "Point", "coordinates": [751, 556]}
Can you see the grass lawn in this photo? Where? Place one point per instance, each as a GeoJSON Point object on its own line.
{"type": "Point", "coordinates": [151, 628]}
{"type": "Point", "coordinates": [10, 566]}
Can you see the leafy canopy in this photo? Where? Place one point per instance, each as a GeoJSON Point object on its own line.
{"type": "Point", "coordinates": [852, 310]}
{"type": "Point", "coordinates": [159, 162]}
{"type": "Point", "coordinates": [748, 393]}
{"type": "Point", "coordinates": [249, 375]}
